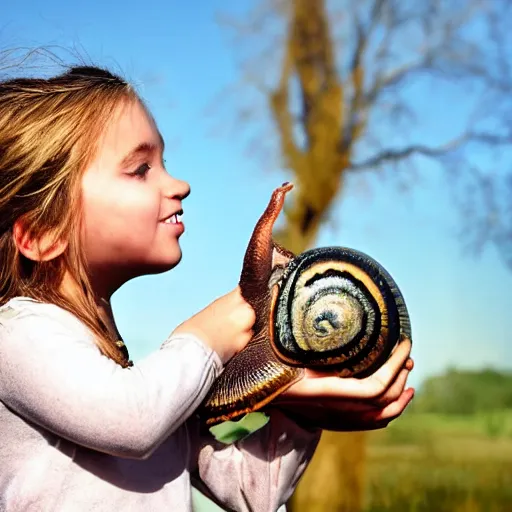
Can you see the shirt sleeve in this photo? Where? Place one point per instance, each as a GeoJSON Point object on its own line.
{"type": "Point", "coordinates": [258, 473]}
{"type": "Point", "coordinates": [56, 377]}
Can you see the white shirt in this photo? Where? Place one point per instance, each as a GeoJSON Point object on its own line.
{"type": "Point", "coordinates": [80, 433]}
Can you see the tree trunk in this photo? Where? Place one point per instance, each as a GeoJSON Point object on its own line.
{"type": "Point", "coordinates": [335, 478]}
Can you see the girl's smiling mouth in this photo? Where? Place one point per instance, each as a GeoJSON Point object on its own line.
{"type": "Point", "coordinates": [175, 222]}
{"type": "Point", "coordinates": [174, 218]}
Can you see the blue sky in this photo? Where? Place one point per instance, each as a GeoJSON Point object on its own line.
{"type": "Point", "coordinates": [180, 59]}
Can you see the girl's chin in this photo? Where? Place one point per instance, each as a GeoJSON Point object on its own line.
{"type": "Point", "coordinates": [165, 265]}
{"type": "Point", "coordinates": [156, 264]}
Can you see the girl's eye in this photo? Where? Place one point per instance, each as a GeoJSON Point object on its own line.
{"type": "Point", "coordinates": [141, 171]}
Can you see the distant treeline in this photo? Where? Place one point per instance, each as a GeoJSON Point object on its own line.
{"type": "Point", "coordinates": [465, 392]}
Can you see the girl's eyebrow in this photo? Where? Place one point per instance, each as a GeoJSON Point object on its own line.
{"type": "Point", "coordinates": [142, 148]}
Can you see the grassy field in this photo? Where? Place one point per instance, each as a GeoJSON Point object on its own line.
{"type": "Point", "coordinates": [432, 462]}
{"type": "Point", "coordinates": [435, 463]}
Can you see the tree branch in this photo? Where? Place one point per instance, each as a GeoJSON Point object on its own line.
{"type": "Point", "coordinates": [393, 155]}
{"type": "Point", "coordinates": [356, 115]}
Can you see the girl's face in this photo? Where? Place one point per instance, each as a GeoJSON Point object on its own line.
{"type": "Point", "coordinates": [131, 205]}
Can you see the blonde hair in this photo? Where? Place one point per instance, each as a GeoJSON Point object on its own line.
{"type": "Point", "coordinates": [49, 131]}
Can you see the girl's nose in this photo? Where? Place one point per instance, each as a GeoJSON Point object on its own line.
{"type": "Point", "coordinates": [176, 189]}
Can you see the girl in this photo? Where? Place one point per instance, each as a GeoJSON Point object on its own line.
{"type": "Point", "coordinates": [85, 206]}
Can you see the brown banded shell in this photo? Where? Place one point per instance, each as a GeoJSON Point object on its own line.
{"type": "Point", "coordinates": [337, 308]}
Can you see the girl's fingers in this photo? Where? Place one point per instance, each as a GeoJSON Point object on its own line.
{"type": "Point", "coordinates": [377, 383]}
{"type": "Point", "coordinates": [342, 388]}
{"type": "Point", "coordinates": [392, 410]}
{"type": "Point", "coordinates": [394, 391]}
{"type": "Point", "coordinates": [348, 415]}
{"type": "Point", "coordinates": [348, 405]}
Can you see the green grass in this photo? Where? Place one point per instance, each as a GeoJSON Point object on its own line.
{"type": "Point", "coordinates": [437, 463]}
{"type": "Point", "coordinates": [433, 462]}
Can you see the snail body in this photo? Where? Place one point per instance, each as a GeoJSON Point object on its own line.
{"type": "Point", "coordinates": [329, 308]}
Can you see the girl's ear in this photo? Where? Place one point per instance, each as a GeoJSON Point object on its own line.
{"type": "Point", "coordinates": [44, 248]}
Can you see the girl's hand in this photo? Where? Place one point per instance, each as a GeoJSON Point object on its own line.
{"type": "Point", "coordinates": [347, 404]}
{"type": "Point", "coordinates": [225, 325]}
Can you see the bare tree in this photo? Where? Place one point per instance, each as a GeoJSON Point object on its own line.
{"type": "Point", "coordinates": [346, 85]}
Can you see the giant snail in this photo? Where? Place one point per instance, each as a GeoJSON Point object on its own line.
{"type": "Point", "coordinates": [329, 308]}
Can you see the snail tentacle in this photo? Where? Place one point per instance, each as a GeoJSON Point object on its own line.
{"type": "Point", "coordinates": [258, 259]}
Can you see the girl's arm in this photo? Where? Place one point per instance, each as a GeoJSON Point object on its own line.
{"type": "Point", "coordinates": [258, 473]}
{"type": "Point", "coordinates": [52, 374]}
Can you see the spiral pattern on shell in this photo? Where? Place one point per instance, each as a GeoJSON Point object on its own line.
{"type": "Point", "coordinates": [337, 307]}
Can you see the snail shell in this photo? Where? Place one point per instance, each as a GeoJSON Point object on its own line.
{"type": "Point", "coordinates": [330, 308]}
{"type": "Point", "coordinates": [337, 307]}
